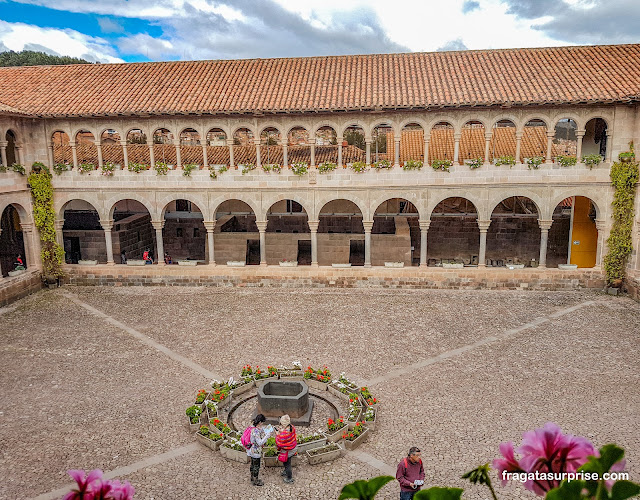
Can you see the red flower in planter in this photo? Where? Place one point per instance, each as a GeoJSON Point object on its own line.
{"type": "Point", "coordinates": [358, 424]}
{"type": "Point", "coordinates": [350, 400]}
{"type": "Point", "coordinates": [330, 422]}
{"type": "Point", "coordinates": [216, 421]}
{"type": "Point", "coordinates": [344, 435]}
{"type": "Point", "coordinates": [351, 434]}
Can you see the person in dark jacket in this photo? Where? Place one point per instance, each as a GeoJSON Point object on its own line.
{"type": "Point", "coordinates": [410, 474]}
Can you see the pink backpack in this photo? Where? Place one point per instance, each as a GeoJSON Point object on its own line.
{"type": "Point", "coordinates": [246, 437]}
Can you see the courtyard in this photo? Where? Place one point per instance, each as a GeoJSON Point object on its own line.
{"type": "Point", "coordinates": [99, 377]}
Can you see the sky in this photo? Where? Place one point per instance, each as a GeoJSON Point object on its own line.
{"type": "Point", "coordinates": [162, 30]}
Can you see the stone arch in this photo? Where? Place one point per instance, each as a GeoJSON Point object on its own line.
{"type": "Point", "coordinates": [164, 150]}
{"type": "Point", "coordinates": [565, 140]}
{"type": "Point", "coordinates": [442, 144]}
{"type": "Point", "coordinates": [199, 202]}
{"type": "Point", "coordinates": [341, 237]}
{"type": "Point", "coordinates": [216, 144]}
{"type": "Point", "coordinates": [531, 117]}
{"type": "Point", "coordinates": [412, 136]}
{"type": "Point", "coordinates": [287, 235]}
{"type": "Point", "coordinates": [596, 137]}
{"type": "Point", "coordinates": [184, 234]}
{"type": "Point", "coordinates": [325, 123]}
{"type": "Point", "coordinates": [112, 202]}
{"type": "Point", "coordinates": [379, 198]}
{"type": "Point", "coordinates": [382, 135]}
{"type": "Point", "coordinates": [354, 123]}
{"type": "Point", "coordinates": [190, 144]}
{"type": "Point", "coordinates": [78, 130]}
{"type": "Point", "coordinates": [475, 200]}
{"type": "Point", "coordinates": [436, 121]}
{"type": "Point", "coordinates": [82, 233]}
{"type": "Point", "coordinates": [385, 123]}
{"type": "Point", "coordinates": [271, 124]}
{"type": "Point", "coordinates": [598, 199]}
{"type": "Point", "coordinates": [86, 149]}
{"type": "Point", "coordinates": [195, 128]}
{"type": "Point", "coordinates": [534, 141]}
{"type": "Point", "coordinates": [566, 116]}
{"type": "Point", "coordinates": [395, 234]}
{"type": "Point", "coordinates": [104, 129]}
{"type": "Point", "coordinates": [590, 116]}
{"type": "Point", "coordinates": [408, 121]}
{"type": "Point", "coordinates": [270, 200]}
{"type": "Point", "coordinates": [134, 128]}
{"type": "Point", "coordinates": [454, 235]}
{"type": "Point", "coordinates": [111, 148]}
{"type": "Point", "coordinates": [236, 232]}
{"type": "Point", "coordinates": [241, 126]}
{"type": "Point", "coordinates": [503, 138]}
{"type": "Point", "coordinates": [11, 150]}
{"type": "Point", "coordinates": [535, 198]}
{"type": "Point", "coordinates": [12, 240]}
{"type": "Point", "coordinates": [217, 126]}
{"type": "Point", "coordinates": [361, 204]}
{"type": "Point", "coordinates": [61, 148]}
{"type": "Point", "coordinates": [255, 208]}
{"type": "Point", "coordinates": [574, 235]}
{"type": "Point", "coordinates": [61, 203]}
{"type": "Point", "coordinates": [505, 118]}
{"type": "Point", "coordinates": [472, 140]}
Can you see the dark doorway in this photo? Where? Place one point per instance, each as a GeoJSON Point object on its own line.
{"type": "Point", "coordinates": [253, 252]}
{"type": "Point", "coordinates": [356, 252]}
{"type": "Point", "coordinates": [304, 253]}
{"type": "Point", "coordinates": [72, 250]}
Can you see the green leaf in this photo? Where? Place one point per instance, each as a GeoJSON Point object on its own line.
{"type": "Point", "coordinates": [438, 493]}
{"type": "Point", "coordinates": [364, 490]}
{"type": "Point", "coordinates": [624, 489]}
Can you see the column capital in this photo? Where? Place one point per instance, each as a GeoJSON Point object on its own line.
{"type": "Point", "coordinates": [457, 136]}
{"type": "Point", "coordinates": [4, 144]}
{"type": "Point", "coordinates": [26, 227]}
{"type": "Point", "coordinates": [229, 142]}
{"type": "Point", "coordinates": [601, 224]}
{"type": "Point", "coordinates": [424, 225]}
{"type": "Point", "coordinates": [107, 225]}
{"type": "Point", "coordinates": [339, 140]}
{"type": "Point", "coordinates": [123, 143]}
{"type": "Point", "coordinates": [580, 133]}
{"type": "Point", "coordinates": [397, 139]}
{"type": "Point", "coordinates": [210, 225]}
{"type": "Point", "coordinates": [256, 142]}
{"type": "Point", "coordinates": [368, 224]}
{"type": "Point", "coordinates": [427, 139]}
{"type": "Point", "coordinates": [545, 225]}
{"type": "Point", "coordinates": [483, 224]}
{"type": "Point", "coordinates": [157, 224]}
{"type": "Point", "coordinates": [551, 135]}
{"type": "Point", "coordinates": [58, 224]}
{"type": "Point", "coordinates": [262, 225]}
{"type": "Point", "coordinates": [488, 135]}
{"type": "Point", "coordinates": [519, 134]}
{"type": "Point", "coordinates": [368, 140]}
{"type": "Point", "coordinates": [313, 225]}
{"type": "Point", "coordinates": [98, 143]}
{"type": "Point", "coordinates": [73, 144]}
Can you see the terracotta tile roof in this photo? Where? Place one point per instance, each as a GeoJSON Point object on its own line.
{"type": "Point", "coordinates": [10, 110]}
{"type": "Point", "coordinates": [582, 74]}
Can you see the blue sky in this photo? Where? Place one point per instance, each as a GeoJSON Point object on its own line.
{"type": "Point", "coordinates": [208, 29]}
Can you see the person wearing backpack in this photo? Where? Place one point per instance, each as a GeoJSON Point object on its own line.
{"type": "Point", "coordinates": [410, 474]}
{"type": "Point", "coordinates": [258, 437]}
{"type": "Point", "coordinates": [287, 442]}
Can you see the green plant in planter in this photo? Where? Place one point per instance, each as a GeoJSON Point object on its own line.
{"type": "Point", "coordinates": [299, 169]}
{"type": "Point", "coordinates": [591, 160]}
{"type": "Point", "coordinates": [272, 167]}
{"type": "Point", "coordinates": [443, 165]}
{"type": "Point", "coordinates": [326, 167]}
{"type": "Point", "coordinates": [193, 412]}
{"type": "Point", "coordinates": [505, 160]}
{"type": "Point", "coordinates": [247, 167]}
{"type": "Point", "coordinates": [17, 167]}
{"type": "Point", "coordinates": [212, 173]}
{"type": "Point", "coordinates": [137, 167]}
{"type": "Point", "coordinates": [160, 167]}
{"type": "Point", "coordinates": [412, 165]}
{"type": "Point", "coordinates": [86, 167]}
{"type": "Point", "coordinates": [58, 168]}
{"type": "Point", "coordinates": [627, 156]}
{"type": "Point", "coordinates": [3, 168]}
{"type": "Point", "coordinates": [187, 168]}
{"type": "Point", "coordinates": [534, 162]}
{"type": "Point", "coordinates": [108, 168]}
{"type": "Point", "coordinates": [359, 167]}
{"type": "Point", "coordinates": [382, 164]}
{"type": "Point", "coordinates": [44, 216]}
{"type": "Point", "coordinates": [475, 163]}
{"type": "Point", "coordinates": [624, 177]}
{"type": "Point", "coordinates": [566, 161]}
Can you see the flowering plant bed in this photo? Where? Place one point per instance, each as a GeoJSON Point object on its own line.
{"type": "Point", "coordinates": [443, 165]}
{"type": "Point", "coordinates": [354, 414]}
{"type": "Point", "coordinates": [201, 396]}
{"type": "Point", "coordinates": [193, 417]}
{"type": "Point", "coordinates": [335, 429]}
{"type": "Point", "coordinates": [260, 374]}
{"type": "Point", "coordinates": [107, 169]}
{"type": "Point", "coordinates": [210, 439]}
{"type": "Point", "coordinates": [232, 449]}
{"type": "Point", "coordinates": [474, 163]}
{"type": "Point", "coordinates": [356, 436]}
{"type": "Point", "coordinates": [311, 442]}
{"type": "Point", "coordinates": [272, 167]}
{"type": "Point", "coordinates": [326, 167]}
{"type": "Point", "coordinates": [317, 379]}
{"type": "Point", "coordinates": [369, 416]}
{"type": "Point", "coordinates": [412, 165]}
{"type": "Point", "coordinates": [299, 168]}
{"type": "Point", "coordinates": [367, 397]}
{"type": "Point", "coordinates": [339, 389]}
{"type": "Point", "coordinates": [382, 164]}
{"type": "Point", "coordinates": [220, 425]}
{"type": "Point", "coordinates": [212, 410]}
{"type": "Point", "coordinates": [535, 162]}
{"type": "Point", "coordinates": [324, 454]}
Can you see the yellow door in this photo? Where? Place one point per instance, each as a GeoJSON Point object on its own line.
{"type": "Point", "coordinates": [584, 235]}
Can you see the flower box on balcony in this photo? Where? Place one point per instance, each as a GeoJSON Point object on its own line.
{"type": "Point", "coordinates": [352, 445]}
{"type": "Point", "coordinates": [87, 262]}
{"type": "Point", "coordinates": [325, 454]}
{"type": "Point", "coordinates": [334, 436]}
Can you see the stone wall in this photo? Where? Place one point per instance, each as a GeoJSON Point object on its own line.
{"type": "Point", "coordinates": [92, 244]}
{"type": "Point", "coordinates": [12, 289]}
{"type": "Point", "coordinates": [359, 277]}
{"type": "Point", "coordinates": [133, 234]}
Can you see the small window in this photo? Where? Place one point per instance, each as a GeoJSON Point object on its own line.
{"type": "Point", "coordinates": [179, 232]}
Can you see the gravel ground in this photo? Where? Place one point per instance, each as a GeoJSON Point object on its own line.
{"type": "Point", "coordinates": [78, 392]}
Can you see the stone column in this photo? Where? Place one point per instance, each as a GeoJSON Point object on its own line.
{"type": "Point", "coordinates": [210, 226]}
{"type": "Point", "coordinates": [158, 225]}
{"type": "Point", "coordinates": [579, 136]}
{"type": "Point", "coordinates": [550, 137]}
{"type": "Point", "coordinates": [29, 246]}
{"type": "Point", "coordinates": [107, 226]}
{"type": "Point", "coordinates": [396, 143]}
{"type": "Point", "coordinates": [99, 148]}
{"type": "Point", "coordinates": [312, 153]}
{"type": "Point", "coordinates": [20, 154]}
{"type": "Point", "coordinates": [519, 135]}
{"type": "Point", "coordinates": [3, 152]}
{"type": "Point", "coordinates": [178, 156]}
{"type": "Point", "coordinates": [205, 158]}
{"type": "Point", "coordinates": [424, 228]}
{"type": "Point", "coordinates": [609, 151]}
{"type": "Point", "coordinates": [313, 226]}
{"type": "Point", "coordinates": [285, 155]}
{"type": "Point", "coordinates": [484, 227]}
{"type": "Point", "coordinates": [368, 151]}
{"type": "Point", "coordinates": [125, 155]}
{"type": "Point", "coordinates": [601, 226]}
{"type": "Point", "coordinates": [544, 225]}
{"type": "Point", "coordinates": [426, 151]}
{"type": "Point", "coordinates": [368, 224]}
{"type": "Point", "coordinates": [74, 153]}
{"type": "Point", "coordinates": [262, 227]}
{"type": "Point", "coordinates": [230, 146]}
{"type": "Point", "coordinates": [256, 143]}
{"type": "Point", "coordinates": [50, 155]}
{"type": "Point", "coordinates": [59, 224]}
{"type": "Point", "coordinates": [456, 148]}
{"type": "Point", "coordinates": [487, 145]}
{"type": "Point", "coordinates": [152, 159]}
{"type": "Point", "coordinates": [339, 141]}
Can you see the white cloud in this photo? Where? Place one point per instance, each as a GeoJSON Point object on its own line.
{"type": "Point", "coordinates": [67, 42]}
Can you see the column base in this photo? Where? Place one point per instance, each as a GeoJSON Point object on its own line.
{"type": "Point", "coordinates": [367, 265]}
{"type": "Point", "coordinates": [423, 265]}
{"type": "Point", "coordinates": [482, 265]}
{"type": "Point", "coordinates": [211, 264]}
{"type": "Point", "coordinates": [111, 263]}
{"type": "Point", "coordinates": [314, 264]}
{"type": "Point", "coordinates": [263, 264]}
{"type": "Point", "coordinates": [542, 266]}
{"type": "Point", "coordinates": [161, 264]}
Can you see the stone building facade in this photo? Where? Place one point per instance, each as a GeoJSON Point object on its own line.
{"type": "Point", "coordinates": [492, 215]}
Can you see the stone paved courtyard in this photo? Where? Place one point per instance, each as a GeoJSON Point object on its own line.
{"type": "Point", "coordinates": [100, 378]}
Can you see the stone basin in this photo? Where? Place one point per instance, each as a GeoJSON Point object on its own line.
{"type": "Point", "coordinates": [280, 397]}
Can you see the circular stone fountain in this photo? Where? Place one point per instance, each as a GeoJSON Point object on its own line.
{"type": "Point", "coordinates": [279, 397]}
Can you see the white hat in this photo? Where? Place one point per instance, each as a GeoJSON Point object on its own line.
{"type": "Point", "coordinates": [285, 420]}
